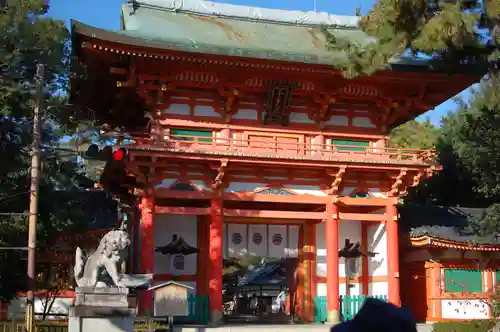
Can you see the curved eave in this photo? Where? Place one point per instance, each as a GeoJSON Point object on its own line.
{"type": "Point", "coordinates": [429, 241]}
{"type": "Point", "coordinates": [148, 48]}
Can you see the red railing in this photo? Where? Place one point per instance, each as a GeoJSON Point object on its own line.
{"type": "Point", "coordinates": [277, 149]}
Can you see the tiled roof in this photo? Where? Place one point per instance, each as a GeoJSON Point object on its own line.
{"type": "Point", "coordinates": [441, 222]}
{"type": "Point", "coordinates": [247, 32]}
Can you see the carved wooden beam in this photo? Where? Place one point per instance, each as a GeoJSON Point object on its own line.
{"type": "Point", "coordinates": [324, 100]}
{"type": "Point", "coordinates": [131, 77]}
{"type": "Point", "coordinates": [221, 172]}
{"type": "Point", "coordinates": [399, 183]}
{"type": "Point", "coordinates": [337, 180]}
{"type": "Point", "coordinates": [229, 95]}
{"type": "Point", "coordinates": [403, 109]}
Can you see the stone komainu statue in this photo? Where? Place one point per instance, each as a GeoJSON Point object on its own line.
{"type": "Point", "coordinates": [101, 268]}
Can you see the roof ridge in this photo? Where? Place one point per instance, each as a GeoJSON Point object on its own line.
{"type": "Point", "coordinates": [258, 14]}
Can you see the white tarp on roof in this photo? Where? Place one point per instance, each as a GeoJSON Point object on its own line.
{"type": "Point", "coordinates": [202, 7]}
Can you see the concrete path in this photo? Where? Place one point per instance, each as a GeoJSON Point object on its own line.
{"type": "Point", "coordinates": [275, 328]}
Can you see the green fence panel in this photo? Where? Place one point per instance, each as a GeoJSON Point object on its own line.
{"type": "Point", "coordinates": [349, 306]}
{"type": "Point", "coordinates": [198, 311]}
{"type": "Point", "coordinates": [320, 313]}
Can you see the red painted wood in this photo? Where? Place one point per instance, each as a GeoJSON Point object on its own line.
{"type": "Point", "coordinates": [391, 213]}
{"type": "Point", "coordinates": [332, 256]}
{"type": "Point", "coordinates": [147, 250]}
{"type": "Point", "coordinates": [215, 254]}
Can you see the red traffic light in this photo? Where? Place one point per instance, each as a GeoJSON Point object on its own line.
{"type": "Point", "coordinates": [119, 155]}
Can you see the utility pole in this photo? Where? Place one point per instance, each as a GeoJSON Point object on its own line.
{"type": "Point", "coordinates": [33, 211]}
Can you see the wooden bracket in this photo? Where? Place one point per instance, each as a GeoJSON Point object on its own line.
{"type": "Point", "coordinates": [324, 100]}
{"type": "Point", "coordinates": [337, 179]}
{"type": "Point", "coordinates": [403, 109]}
{"type": "Point", "coordinates": [399, 184]}
{"type": "Point", "coordinates": [229, 95]}
{"type": "Point", "coordinates": [130, 73]}
{"type": "Point", "coordinates": [221, 172]}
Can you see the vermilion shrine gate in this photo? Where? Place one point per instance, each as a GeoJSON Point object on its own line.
{"type": "Point", "coordinates": [244, 139]}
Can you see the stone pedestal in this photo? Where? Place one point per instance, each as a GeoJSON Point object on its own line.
{"type": "Point", "coordinates": [101, 309]}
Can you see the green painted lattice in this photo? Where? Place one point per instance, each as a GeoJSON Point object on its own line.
{"type": "Point", "coordinates": [350, 145]}
{"type": "Point", "coordinates": [349, 306]}
{"type": "Point", "coordinates": [198, 310]}
{"type": "Point", "coordinates": [179, 134]}
{"type": "Point", "coordinates": [459, 281]}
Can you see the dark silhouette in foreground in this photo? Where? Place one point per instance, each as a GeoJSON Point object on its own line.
{"type": "Point", "coordinates": [379, 316]}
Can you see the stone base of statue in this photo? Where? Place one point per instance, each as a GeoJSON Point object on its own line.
{"type": "Point", "coordinates": [101, 309]}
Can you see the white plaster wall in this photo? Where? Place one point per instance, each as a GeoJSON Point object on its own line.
{"type": "Point", "coordinates": [362, 122]}
{"type": "Point", "coordinates": [378, 288]}
{"type": "Point", "coordinates": [246, 113]}
{"type": "Point", "coordinates": [296, 117]}
{"type": "Point", "coordinates": [205, 111]}
{"type": "Point", "coordinates": [464, 309]}
{"type": "Point", "coordinates": [292, 249]}
{"type": "Point", "coordinates": [338, 120]}
{"type": "Point", "coordinates": [347, 230]}
{"type": "Point", "coordinates": [166, 225]}
{"type": "Point", "coordinates": [287, 248]}
{"type": "Point", "coordinates": [60, 307]}
{"type": "Point", "coordinates": [377, 242]}
{"type": "Point", "coordinates": [322, 289]}
{"type": "Point", "coordinates": [178, 109]}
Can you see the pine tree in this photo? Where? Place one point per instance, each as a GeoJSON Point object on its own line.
{"type": "Point", "coordinates": [450, 32]}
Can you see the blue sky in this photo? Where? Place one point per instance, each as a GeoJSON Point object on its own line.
{"type": "Point", "coordinates": [106, 14]}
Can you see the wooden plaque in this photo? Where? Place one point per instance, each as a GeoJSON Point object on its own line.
{"type": "Point", "coordinates": [171, 300]}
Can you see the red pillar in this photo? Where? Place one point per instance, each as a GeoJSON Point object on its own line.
{"type": "Point", "coordinates": [391, 228]}
{"type": "Point", "coordinates": [215, 259]}
{"type": "Point", "coordinates": [147, 250]}
{"type": "Point", "coordinates": [201, 261]}
{"type": "Point", "coordinates": [332, 261]}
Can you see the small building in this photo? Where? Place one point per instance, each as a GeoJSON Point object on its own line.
{"type": "Point", "coordinates": [446, 272]}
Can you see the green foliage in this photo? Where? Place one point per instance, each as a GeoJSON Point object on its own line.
{"type": "Point", "coordinates": [445, 31]}
{"type": "Point", "coordinates": [414, 135]}
{"type": "Point", "coordinates": [29, 37]}
{"type": "Point", "coordinates": [476, 138]}
{"type": "Point", "coordinates": [472, 326]}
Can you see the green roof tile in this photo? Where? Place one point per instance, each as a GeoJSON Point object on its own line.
{"type": "Point", "coordinates": [150, 26]}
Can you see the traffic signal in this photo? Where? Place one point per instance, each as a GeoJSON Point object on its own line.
{"type": "Point", "coordinates": [114, 177]}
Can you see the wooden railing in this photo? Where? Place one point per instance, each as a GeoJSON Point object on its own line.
{"type": "Point", "coordinates": [289, 150]}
